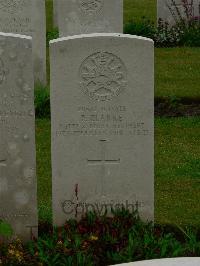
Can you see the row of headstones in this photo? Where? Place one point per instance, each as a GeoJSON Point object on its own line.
{"type": "Point", "coordinates": [102, 114]}
{"type": "Point", "coordinates": [102, 128]}
{"type": "Point", "coordinates": [102, 124]}
{"type": "Point", "coordinates": [72, 17]}
{"type": "Point", "coordinates": [86, 16]}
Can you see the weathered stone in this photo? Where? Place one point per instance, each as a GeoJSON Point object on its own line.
{"type": "Point", "coordinates": [27, 17]}
{"type": "Point", "coordinates": [167, 12]}
{"type": "Point", "coordinates": [165, 262]}
{"type": "Point", "coordinates": [102, 124]}
{"type": "Point", "coordinates": [86, 16]}
{"type": "Point", "coordinates": [18, 192]}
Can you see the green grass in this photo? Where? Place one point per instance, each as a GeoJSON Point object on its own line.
{"type": "Point", "coordinates": [49, 14]}
{"type": "Point", "coordinates": [136, 9]}
{"type": "Point", "coordinates": [177, 72]}
{"type": "Point", "coordinates": [43, 143]}
{"type": "Point", "coordinates": [177, 171]}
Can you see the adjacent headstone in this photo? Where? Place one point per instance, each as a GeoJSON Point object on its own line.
{"type": "Point", "coordinates": [27, 17]}
{"type": "Point", "coordinates": [102, 125]}
{"type": "Point", "coordinates": [166, 262]}
{"type": "Point", "coordinates": [168, 12]}
{"type": "Point", "coordinates": [18, 192]}
{"type": "Point", "coordinates": [89, 16]}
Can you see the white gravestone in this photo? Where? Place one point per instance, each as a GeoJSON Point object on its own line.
{"type": "Point", "coordinates": [167, 12]}
{"type": "Point", "coordinates": [165, 262]}
{"type": "Point", "coordinates": [89, 16]}
{"type": "Point", "coordinates": [27, 17]}
{"type": "Point", "coordinates": [102, 124]}
{"type": "Point", "coordinates": [18, 191]}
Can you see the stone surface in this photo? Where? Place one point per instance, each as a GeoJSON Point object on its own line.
{"type": "Point", "coordinates": [89, 16]}
{"type": "Point", "coordinates": [164, 7]}
{"type": "Point", "coordinates": [18, 192]}
{"type": "Point", "coordinates": [102, 124]}
{"type": "Point", "coordinates": [166, 262]}
{"type": "Point", "coordinates": [27, 17]}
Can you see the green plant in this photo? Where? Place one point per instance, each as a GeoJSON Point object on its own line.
{"type": "Point", "coordinates": [143, 27]}
{"type": "Point", "coordinates": [42, 101]}
{"type": "Point", "coordinates": [51, 35]}
{"type": "Point", "coordinates": [5, 229]}
{"type": "Point", "coordinates": [184, 32]}
{"type": "Point", "coordinates": [102, 240]}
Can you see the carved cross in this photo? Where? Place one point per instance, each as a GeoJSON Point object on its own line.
{"type": "Point", "coordinates": [102, 162]}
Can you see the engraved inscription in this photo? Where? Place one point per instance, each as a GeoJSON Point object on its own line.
{"type": "Point", "coordinates": [103, 121]}
{"type": "Point", "coordinates": [90, 6]}
{"type": "Point", "coordinates": [2, 71]}
{"type": "Point", "coordinates": [103, 76]}
{"type": "Point", "coordinates": [11, 6]}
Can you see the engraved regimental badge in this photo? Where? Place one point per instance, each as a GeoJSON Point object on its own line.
{"type": "Point", "coordinates": [103, 76]}
{"type": "Point", "coordinates": [11, 6]}
{"type": "Point", "coordinates": [90, 6]}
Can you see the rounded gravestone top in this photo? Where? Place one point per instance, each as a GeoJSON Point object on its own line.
{"type": "Point", "coordinates": [166, 262]}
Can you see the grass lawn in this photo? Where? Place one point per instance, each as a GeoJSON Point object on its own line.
{"type": "Point", "coordinates": [177, 171]}
{"type": "Point", "coordinates": [177, 72]}
{"type": "Point", "coordinates": [43, 144]}
{"type": "Point", "coordinates": [136, 9]}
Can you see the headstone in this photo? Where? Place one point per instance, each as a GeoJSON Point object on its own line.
{"type": "Point", "coordinates": [167, 12]}
{"type": "Point", "coordinates": [27, 17]}
{"type": "Point", "coordinates": [55, 12]}
{"type": "Point", "coordinates": [89, 16]}
{"type": "Point", "coordinates": [18, 192]}
{"type": "Point", "coordinates": [102, 125]}
{"type": "Point", "coordinates": [165, 262]}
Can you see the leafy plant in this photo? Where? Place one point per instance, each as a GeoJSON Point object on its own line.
{"type": "Point", "coordinates": [51, 35]}
{"type": "Point", "coordinates": [143, 27]}
{"type": "Point", "coordinates": [102, 240]}
{"type": "Point", "coordinates": [184, 32]}
{"type": "Point", "coordinates": [42, 101]}
{"type": "Point", "coordinates": [5, 229]}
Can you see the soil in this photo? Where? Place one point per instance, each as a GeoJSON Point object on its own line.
{"type": "Point", "coordinates": [177, 108]}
